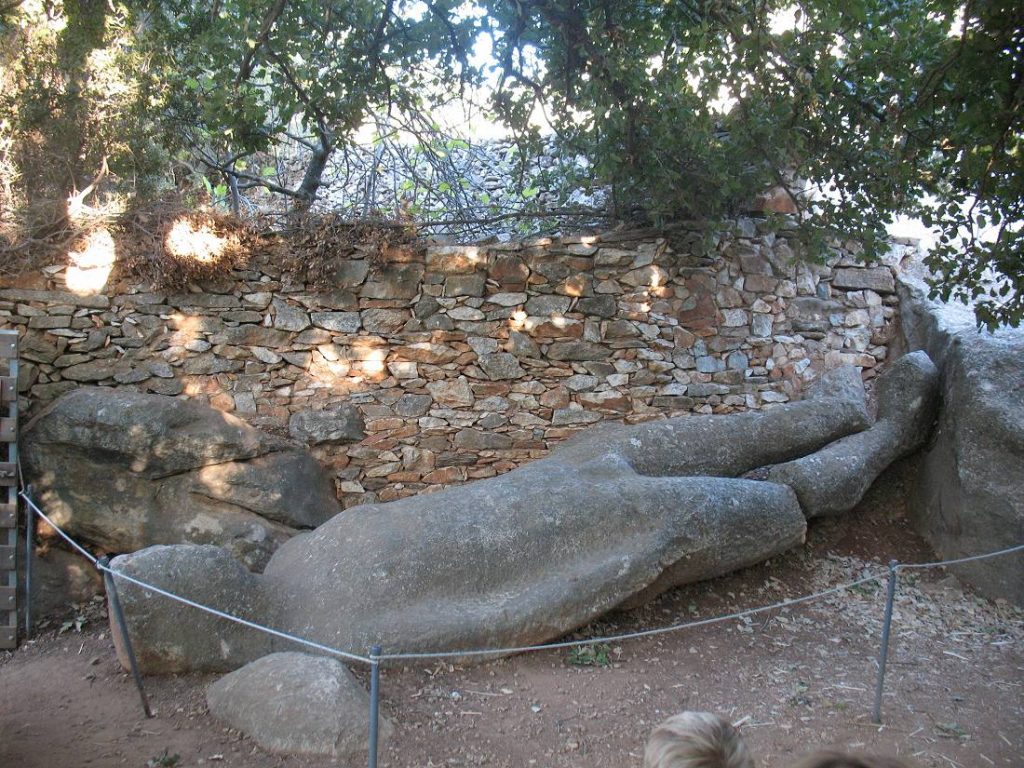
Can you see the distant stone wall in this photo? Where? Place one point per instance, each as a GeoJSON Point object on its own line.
{"type": "Point", "coordinates": [463, 362]}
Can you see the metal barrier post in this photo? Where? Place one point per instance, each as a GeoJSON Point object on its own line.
{"type": "Point", "coordinates": [374, 704]}
{"type": "Point", "coordinates": [122, 630]}
{"type": "Point", "coordinates": [883, 652]}
{"type": "Point", "coordinates": [30, 536]}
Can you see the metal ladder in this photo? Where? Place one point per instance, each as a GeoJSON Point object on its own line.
{"type": "Point", "coordinates": [9, 489]}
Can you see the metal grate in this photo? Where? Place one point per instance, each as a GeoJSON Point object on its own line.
{"type": "Point", "coordinates": [8, 489]}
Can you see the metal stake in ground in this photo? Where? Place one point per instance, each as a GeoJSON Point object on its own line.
{"type": "Point", "coordinates": [883, 652]}
{"type": "Point", "coordinates": [30, 535]}
{"type": "Point", "coordinates": [122, 629]}
{"type": "Point", "coordinates": [374, 704]}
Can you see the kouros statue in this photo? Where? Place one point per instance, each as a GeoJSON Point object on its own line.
{"type": "Point", "coordinates": [610, 519]}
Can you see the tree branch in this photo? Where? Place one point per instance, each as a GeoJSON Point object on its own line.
{"type": "Point", "coordinates": [586, 213]}
{"type": "Point", "coordinates": [254, 180]}
{"type": "Point", "coordinates": [268, 24]}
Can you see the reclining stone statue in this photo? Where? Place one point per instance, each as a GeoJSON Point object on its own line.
{"type": "Point", "coordinates": [611, 518]}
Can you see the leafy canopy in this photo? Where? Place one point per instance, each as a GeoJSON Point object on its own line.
{"type": "Point", "coordinates": [241, 75]}
{"type": "Point", "coordinates": [685, 108]}
{"type": "Point", "coordinates": [863, 109]}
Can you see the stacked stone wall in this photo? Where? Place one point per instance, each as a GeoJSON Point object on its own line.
{"type": "Point", "coordinates": [425, 368]}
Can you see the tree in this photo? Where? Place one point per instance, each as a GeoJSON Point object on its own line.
{"type": "Point", "coordinates": [879, 106]}
{"type": "Point", "coordinates": [71, 113]}
{"type": "Point", "coordinates": [861, 110]}
{"type": "Point", "coordinates": [242, 75]}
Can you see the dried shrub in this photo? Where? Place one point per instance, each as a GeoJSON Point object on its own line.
{"type": "Point", "coordinates": [317, 243]}
{"type": "Point", "coordinates": [170, 244]}
{"type": "Point", "coordinates": [171, 247]}
{"type": "Point", "coordinates": [46, 232]}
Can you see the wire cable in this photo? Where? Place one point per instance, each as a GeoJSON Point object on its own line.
{"type": "Point", "coordinates": [185, 601]}
{"type": "Point", "coordinates": [235, 619]}
{"type": "Point", "coordinates": [78, 547]}
{"type": "Point", "coordinates": [410, 656]}
{"type": "Point", "coordinates": [972, 558]}
{"type": "Point", "coordinates": [632, 635]}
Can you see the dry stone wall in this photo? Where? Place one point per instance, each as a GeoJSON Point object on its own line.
{"type": "Point", "coordinates": [420, 369]}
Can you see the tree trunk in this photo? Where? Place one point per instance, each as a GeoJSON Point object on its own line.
{"type": "Point", "coordinates": [236, 198]}
{"type": "Point", "coordinates": [305, 195]}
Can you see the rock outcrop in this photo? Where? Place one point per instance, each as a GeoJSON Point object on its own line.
{"type": "Point", "coordinates": [970, 492]}
{"type": "Point", "coordinates": [620, 515]}
{"type": "Point", "coordinates": [296, 703]}
{"type": "Point", "coordinates": [728, 446]}
{"type": "Point", "coordinates": [122, 470]}
{"type": "Point", "coordinates": [522, 558]}
{"type": "Point", "coordinates": [170, 637]}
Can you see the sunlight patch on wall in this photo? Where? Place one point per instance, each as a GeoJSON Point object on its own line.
{"type": "Point", "coordinates": [90, 263]}
{"type": "Point", "coordinates": [518, 320]}
{"type": "Point", "coordinates": [186, 328]}
{"type": "Point", "coordinates": [199, 243]}
{"type": "Point", "coordinates": [374, 364]}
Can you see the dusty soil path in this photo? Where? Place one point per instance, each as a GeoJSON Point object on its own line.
{"type": "Point", "coordinates": [796, 679]}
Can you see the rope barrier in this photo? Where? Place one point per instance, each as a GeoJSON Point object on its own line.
{"type": "Point", "coordinates": [379, 657]}
{"type": "Point", "coordinates": [939, 563]}
{"type": "Point", "coordinates": [80, 549]}
{"type": "Point", "coordinates": [236, 619]}
{"type": "Point", "coordinates": [191, 603]}
{"type": "Point", "coordinates": [630, 635]}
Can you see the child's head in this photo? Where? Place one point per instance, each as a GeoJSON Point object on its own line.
{"type": "Point", "coordinates": [696, 740]}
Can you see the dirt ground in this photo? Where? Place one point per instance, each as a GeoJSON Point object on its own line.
{"type": "Point", "coordinates": [795, 680]}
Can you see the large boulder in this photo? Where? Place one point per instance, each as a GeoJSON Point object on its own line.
{"type": "Point", "coordinates": [970, 493]}
{"type": "Point", "coordinates": [833, 480]}
{"type": "Point", "coordinates": [169, 637]}
{"type": "Point", "coordinates": [293, 702]}
{"type": "Point", "coordinates": [122, 470]}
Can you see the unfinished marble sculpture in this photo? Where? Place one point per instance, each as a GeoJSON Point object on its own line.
{"type": "Point", "coordinates": [613, 517]}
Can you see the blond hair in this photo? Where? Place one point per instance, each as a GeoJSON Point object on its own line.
{"type": "Point", "coordinates": [696, 740]}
